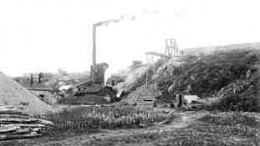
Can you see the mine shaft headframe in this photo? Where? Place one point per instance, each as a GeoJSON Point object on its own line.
{"type": "Point", "coordinates": [171, 48]}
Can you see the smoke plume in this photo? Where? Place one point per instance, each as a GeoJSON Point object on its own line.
{"type": "Point", "coordinates": [107, 22]}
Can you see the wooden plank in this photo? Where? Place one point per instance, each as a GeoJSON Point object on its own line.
{"type": "Point", "coordinates": [18, 120]}
{"type": "Point", "coordinates": [6, 107]}
{"type": "Point", "coordinates": [36, 129]}
{"type": "Point", "coordinates": [40, 89]}
{"type": "Point", "coordinates": [31, 125]}
{"type": "Point", "coordinates": [23, 131]}
{"type": "Point", "coordinates": [8, 128]}
{"type": "Point", "coordinates": [19, 136]}
{"type": "Point", "coordinates": [14, 116]}
{"type": "Point", "coordinates": [25, 121]}
{"type": "Point", "coordinates": [37, 125]}
{"type": "Point", "coordinates": [45, 122]}
{"type": "Point", "coordinates": [15, 112]}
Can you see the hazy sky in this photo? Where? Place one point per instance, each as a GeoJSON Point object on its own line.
{"type": "Point", "coordinates": [45, 35]}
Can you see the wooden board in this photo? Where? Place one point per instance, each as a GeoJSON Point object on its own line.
{"type": "Point", "coordinates": [8, 128]}
{"type": "Point", "coordinates": [18, 120]}
{"type": "Point", "coordinates": [19, 136]}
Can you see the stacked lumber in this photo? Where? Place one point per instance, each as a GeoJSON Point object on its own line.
{"type": "Point", "coordinates": [15, 124]}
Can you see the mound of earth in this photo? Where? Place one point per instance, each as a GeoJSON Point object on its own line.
{"type": "Point", "coordinates": [13, 94]}
{"type": "Point", "coordinates": [230, 74]}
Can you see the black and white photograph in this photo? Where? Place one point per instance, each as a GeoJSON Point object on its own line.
{"type": "Point", "coordinates": [129, 72]}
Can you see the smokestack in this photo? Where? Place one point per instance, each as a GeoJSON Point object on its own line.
{"type": "Point", "coordinates": [94, 27]}
{"type": "Point", "coordinates": [94, 55]}
{"type": "Point", "coordinates": [94, 63]}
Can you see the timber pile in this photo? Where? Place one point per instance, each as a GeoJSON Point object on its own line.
{"type": "Point", "coordinates": [15, 124]}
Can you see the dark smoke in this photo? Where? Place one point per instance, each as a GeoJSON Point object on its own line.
{"type": "Point", "coordinates": [113, 21]}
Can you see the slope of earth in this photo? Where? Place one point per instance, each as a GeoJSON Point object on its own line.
{"type": "Point", "coordinates": [13, 94]}
{"type": "Point", "coordinates": [207, 75]}
{"type": "Point", "coordinates": [228, 75]}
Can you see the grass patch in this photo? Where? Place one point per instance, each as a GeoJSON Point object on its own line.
{"type": "Point", "coordinates": [237, 130]}
{"type": "Point", "coordinates": [235, 118]}
{"type": "Point", "coordinates": [84, 118]}
{"type": "Point", "coordinates": [236, 124]}
{"type": "Point", "coordinates": [188, 137]}
{"type": "Point", "coordinates": [131, 139]}
{"type": "Point", "coordinates": [195, 138]}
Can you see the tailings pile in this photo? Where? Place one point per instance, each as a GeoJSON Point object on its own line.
{"type": "Point", "coordinates": [226, 80]}
{"type": "Point", "coordinates": [13, 94]}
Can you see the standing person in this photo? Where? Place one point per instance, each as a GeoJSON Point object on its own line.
{"type": "Point", "coordinates": [31, 80]}
{"type": "Point", "coordinates": [179, 100]}
{"type": "Point", "coordinates": [40, 76]}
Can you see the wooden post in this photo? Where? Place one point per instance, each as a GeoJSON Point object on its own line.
{"type": "Point", "coordinates": [40, 76]}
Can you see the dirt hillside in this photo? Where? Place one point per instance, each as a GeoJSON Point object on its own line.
{"type": "Point", "coordinates": [11, 93]}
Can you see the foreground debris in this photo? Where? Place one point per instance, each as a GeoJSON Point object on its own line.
{"type": "Point", "coordinates": [15, 124]}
